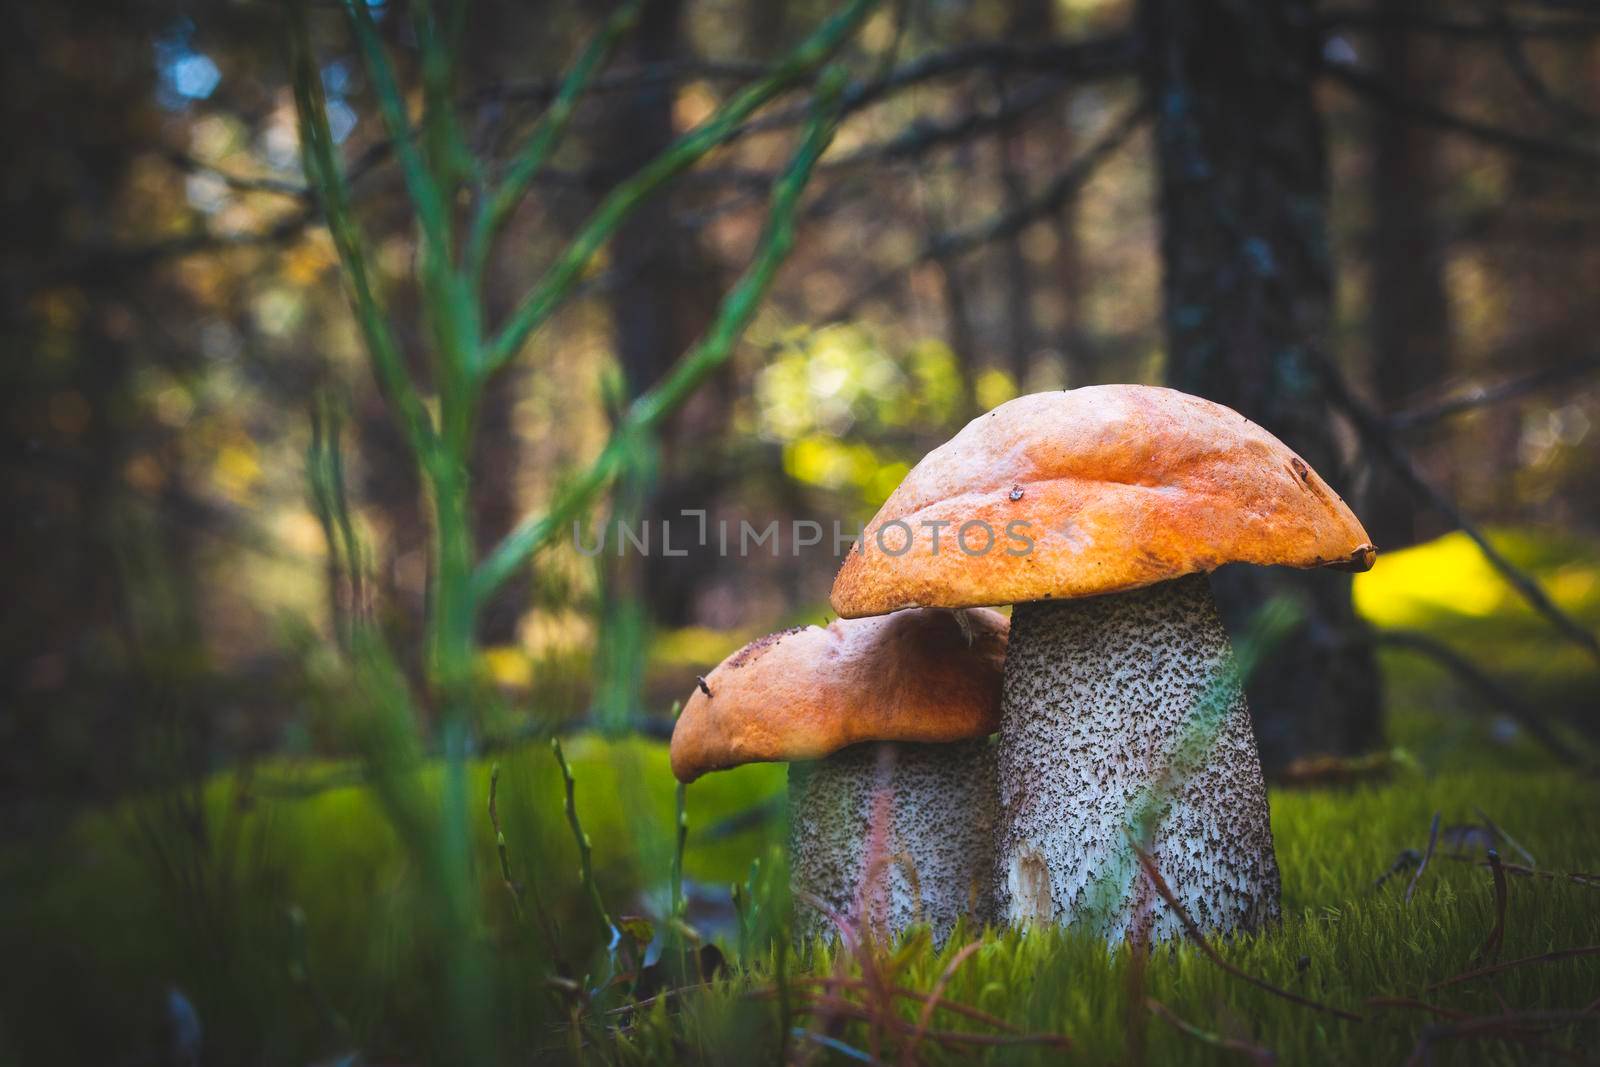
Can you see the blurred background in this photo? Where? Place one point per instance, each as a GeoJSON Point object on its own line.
{"type": "Point", "coordinates": [1370, 227]}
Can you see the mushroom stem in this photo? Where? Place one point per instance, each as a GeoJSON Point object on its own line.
{"type": "Point", "coordinates": [1122, 719]}
{"type": "Point", "coordinates": [887, 834]}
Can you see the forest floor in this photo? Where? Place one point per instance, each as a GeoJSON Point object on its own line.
{"type": "Point", "coordinates": [277, 916]}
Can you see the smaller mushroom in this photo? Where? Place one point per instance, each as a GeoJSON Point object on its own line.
{"type": "Point", "coordinates": [885, 724]}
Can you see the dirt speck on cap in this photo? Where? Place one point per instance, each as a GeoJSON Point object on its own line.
{"type": "Point", "coordinates": [757, 648]}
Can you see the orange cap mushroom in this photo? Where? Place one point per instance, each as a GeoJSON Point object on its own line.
{"type": "Point", "coordinates": [805, 693]}
{"type": "Point", "coordinates": [1090, 491]}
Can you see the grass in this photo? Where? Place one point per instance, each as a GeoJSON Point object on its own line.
{"type": "Point", "coordinates": [293, 924]}
{"type": "Point", "coordinates": [99, 942]}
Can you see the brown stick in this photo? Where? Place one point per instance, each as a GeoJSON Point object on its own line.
{"type": "Point", "coordinates": [1257, 1053]}
{"type": "Point", "coordinates": [1490, 952]}
{"type": "Point", "coordinates": [1544, 957]}
{"type": "Point", "coordinates": [975, 1014]}
{"type": "Point", "coordinates": [1420, 1005]}
{"type": "Point", "coordinates": [909, 1055]}
{"type": "Point", "coordinates": [849, 1008]}
{"type": "Point", "coordinates": [1193, 930]}
{"type": "Point", "coordinates": [1512, 1027]}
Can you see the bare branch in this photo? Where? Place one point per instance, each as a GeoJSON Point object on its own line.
{"type": "Point", "coordinates": [955, 243]}
{"type": "Point", "coordinates": [1483, 685]}
{"type": "Point", "coordinates": [1479, 396]}
{"type": "Point", "coordinates": [1577, 29]}
{"type": "Point", "coordinates": [647, 412]}
{"type": "Point", "coordinates": [1557, 152]}
{"type": "Point", "coordinates": [1381, 444]}
{"type": "Point", "coordinates": [239, 182]}
{"type": "Point", "coordinates": [553, 288]}
{"type": "Point", "coordinates": [1516, 57]}
{"type": "Point", "coordinates": [324, 173]}
{"type": "Point", "coordinates": [1093, 58]}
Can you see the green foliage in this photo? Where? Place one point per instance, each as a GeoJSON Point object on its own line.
{"type": "Point", "coordinates": [842, 406]}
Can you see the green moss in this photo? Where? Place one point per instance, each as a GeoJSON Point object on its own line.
{"type": "Point", "coordinates": [103, 938]}
{"type": "Point", "coordinates": [296, 921]}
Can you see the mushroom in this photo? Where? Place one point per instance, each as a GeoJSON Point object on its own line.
{"type": "Point", "coordinates": [1102, 509]}
{"type": "Point", "coordinates": [885, 724]}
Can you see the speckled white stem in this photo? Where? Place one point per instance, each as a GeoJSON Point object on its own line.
{"type": "Point", "coordinates": [932, 808]}
{"type": "Point", "coordinates": [1120, 709]}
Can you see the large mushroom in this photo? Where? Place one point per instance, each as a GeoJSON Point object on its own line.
{"type": "Point", "coordinates": [1097, 513]}
{"type": "Point", "coordinates": [885, 725]}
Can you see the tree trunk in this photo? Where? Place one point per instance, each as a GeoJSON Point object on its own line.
{"type": "Point", "coordinates": [1028, 21]}
{"type": "Point", "coordinates": [1409, 309]}
{"type": "Point", "coordinates": [664, 295]}
{"type": "Point", "coordinates": [1248, 292]}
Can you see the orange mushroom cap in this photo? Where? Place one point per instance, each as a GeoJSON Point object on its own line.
{"type": "Point", "coordinates": [806, 693]}
{"type": "Point", "coordinates": [1091, 491]}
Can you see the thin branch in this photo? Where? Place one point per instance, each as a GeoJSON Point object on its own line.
{"type": "Point", "coordinates": [1543, 957]}
{"type": "Point", "coordinates": [1086, 59]}
{"type": "Point", "coordinates": [1521, 871]}
{"type": "Point", "coordinates": [426, 196]}
{"type": "Point", "coordinates": [238, 182]}
{"type": "Point", "coordinates": [1487, 133]}
{"type": "Point", "coordinates": [1575, 30]}
{"type": "Point", "coordinates": [955, 243]}
{"type": "Point", "coordinates": [1479, 396]}
{"type": "Point", "coordinates": [1436, 1010]}
{"type": "Point", "coordinates": [1493, 693]}
{"type": "Point", "coordinates": [917, 138]}
{"type": "Point", "coordinates": [965, 1010]}
{"type": "Point", "coordinates": [920, 136]}
{"type": "Point", "coordinates": [1071, 61]}
{"type": "Point", "coordinates": [543, 91]}
{"type": "Point", "coordinates": [323, 174]}
{"type": "Point", "coordinates": [585, 852]}
{"type": "Point", "coordinates": [1148, 863]}
{"type": "Point", "coordinates": [513, 887]}
{"type": "Point", "coordinates": [448, 153]}
{"type": "Point", "coordinates": [1514, 52]}
{"type": "Point", "coordinates": [94, 264]}
{"type": "Point", "coordinates": [1381, 444]}
{"type": "Point", "coordinates": [452, 309]}
{"type": "Point", "coordinates": [683, 153]}
{"type": "Point", "coordinates": [1490, 952]}
{"type": "Point", "coordinates": [552, 125]}
{"type": "Point", "coordinates": [1089, 59]}
{"type": "Point", "coordinates": [1254, 1053]}
{"type": "Point", "coordinates": [647, 412]}
{"type": "Point", "coordinates": [839, 1006]}
{"type": "Point", "coordinates": [1507, 1027]}
{"type": "Point", "coordinates": [908, 1055]}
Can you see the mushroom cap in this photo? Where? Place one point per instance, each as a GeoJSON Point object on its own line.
{"type": "Point", "coordinates": [1117, 487]}
{"type": "Point", "coordinates": [805, 693]}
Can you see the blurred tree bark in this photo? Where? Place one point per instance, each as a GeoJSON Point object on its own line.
{"type": "Point", "coordinates": [1248, 293]}
{"type": "Point", "coordinates": [662, 300]}
{"type": "Point", "coordinates": [1407, 303]}
{"type": "Point", "coordinates": [1027, 22]}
